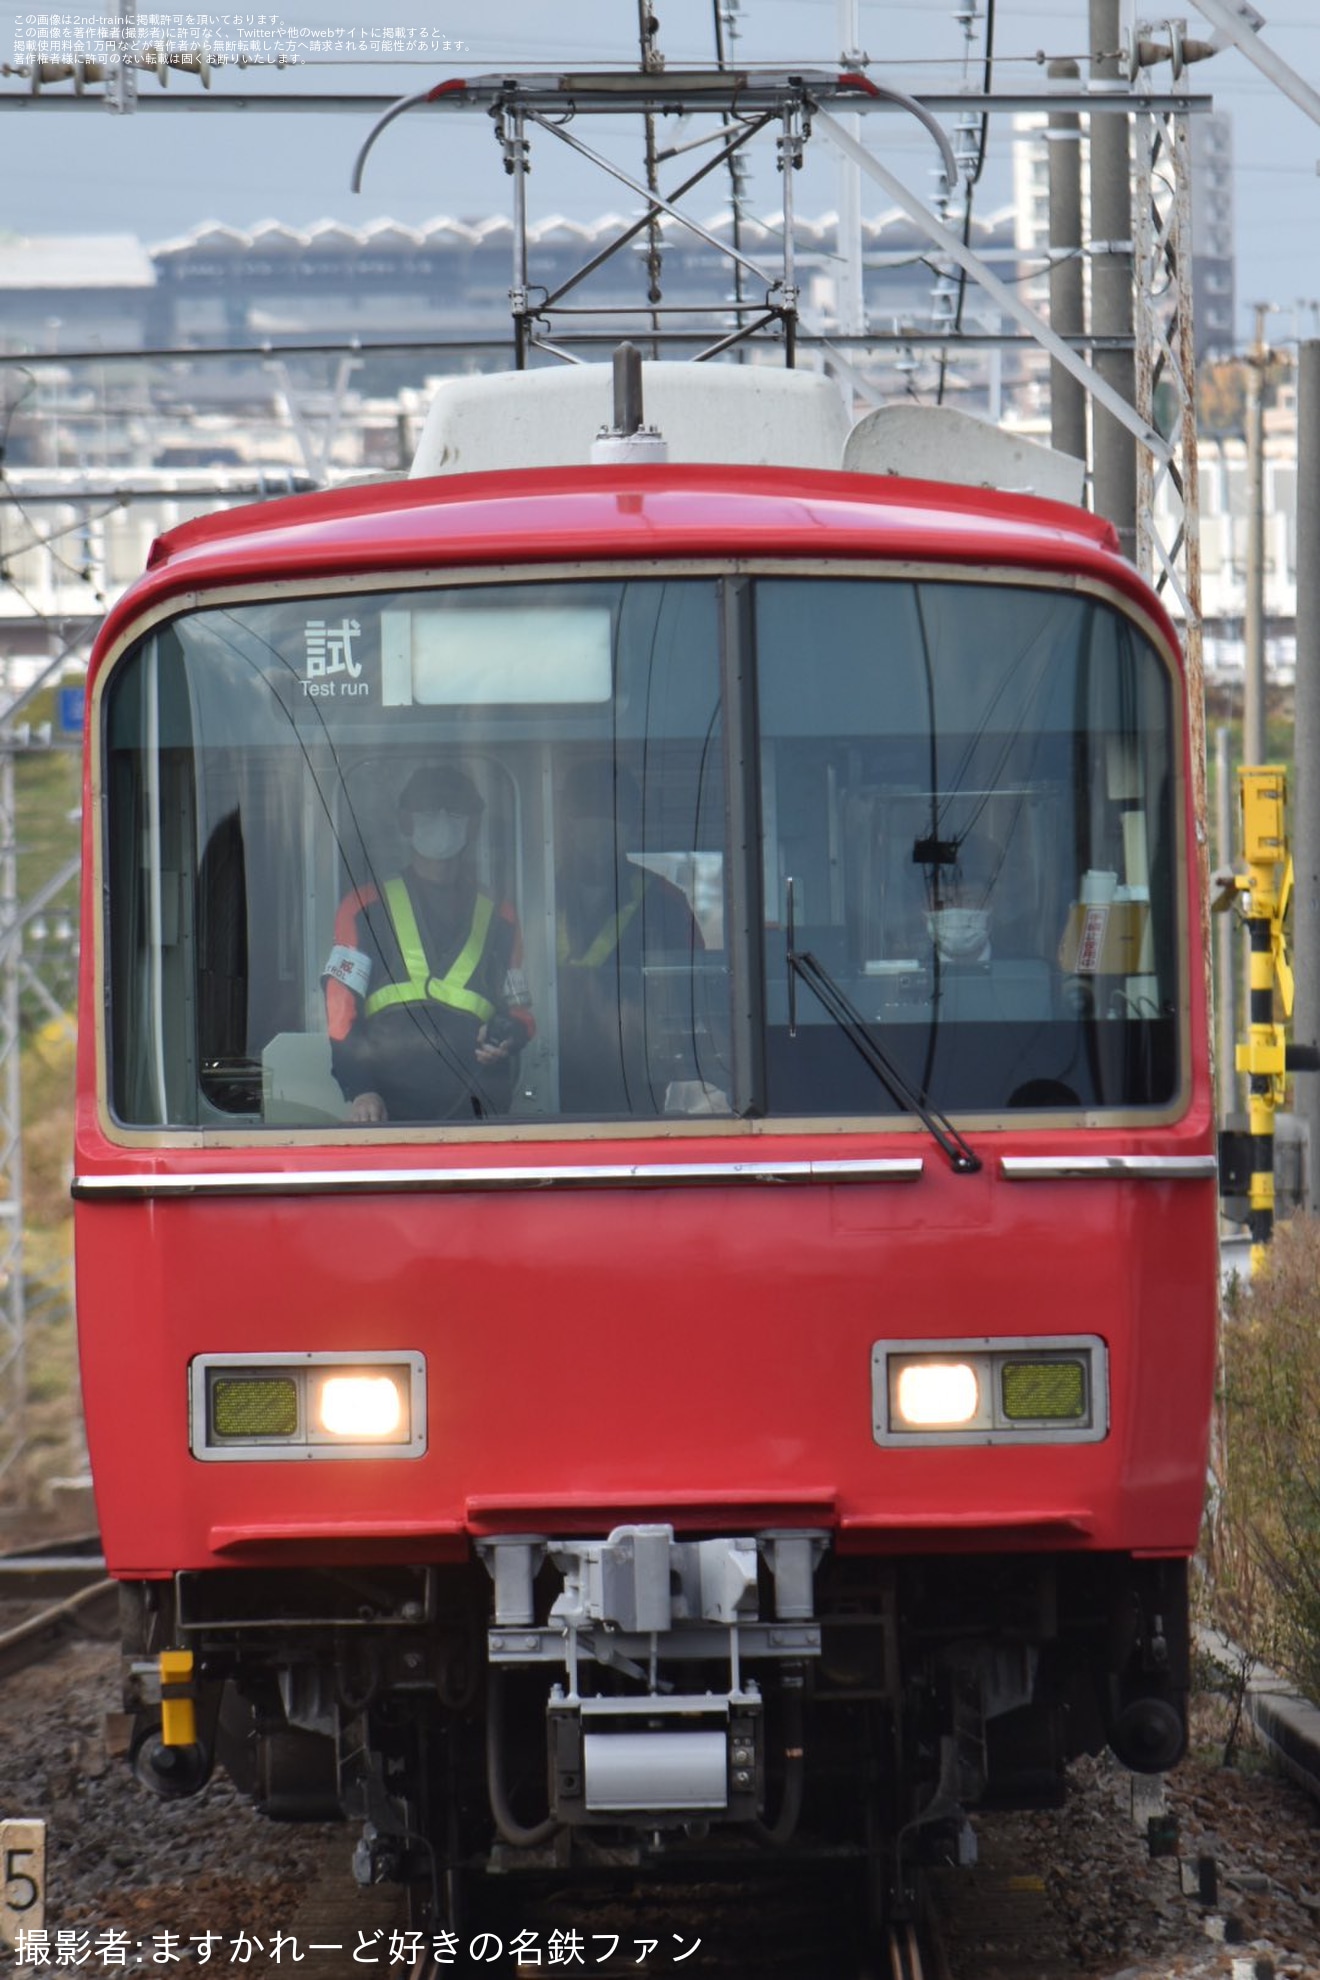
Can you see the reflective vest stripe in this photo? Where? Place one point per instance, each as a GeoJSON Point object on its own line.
{"type": "Point", "coordinates": [607, 941]}
{"type": "Point", "coordinates": [453, 987]}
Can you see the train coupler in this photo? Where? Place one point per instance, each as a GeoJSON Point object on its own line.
{"type": "Point", "coordinates": [631, 1736]}
{"type": "Point", "coordinates": [672, 1759]}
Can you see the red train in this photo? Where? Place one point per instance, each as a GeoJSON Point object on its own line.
{"type": "Point", "coordinates": [646, 1205]}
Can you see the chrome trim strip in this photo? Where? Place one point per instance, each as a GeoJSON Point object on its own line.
{"type": "Point", "coordinates": [329, 1182]}
{"type": "Point", "coordinates": [1124, 1168]}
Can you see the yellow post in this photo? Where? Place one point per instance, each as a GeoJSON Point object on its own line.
{"type": "Point", "coordinates": [178, 1699]}
{"type": "Point", "coordinates": [1264, 891]}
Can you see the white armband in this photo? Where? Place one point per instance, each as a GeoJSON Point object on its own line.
{"type": "Point", "coordinates": [349, 967]}
{"type": "Point", "coordinates": [516, 994]}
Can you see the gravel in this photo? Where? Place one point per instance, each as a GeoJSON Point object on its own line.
{"type": "Point", "coordinates": [1116, 1910]}
{"type": "Point", "coordinates": [117, 1857]}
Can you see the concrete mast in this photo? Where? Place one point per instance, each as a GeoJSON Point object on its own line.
{"type": "Point", "coordinates": [1111, 279]}
{"type": "Point", "coordinates": [1067, 285]}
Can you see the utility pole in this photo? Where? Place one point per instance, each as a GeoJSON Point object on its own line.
{"type": "Point", "coordinates": [1306, 886]}
{"type": "Point", "coordinates": [1253, 687]}
{"type": "Point", "coordinates": [1067, 286]}
{"type": "Point", "coordinates": [1115, 480]}
{"type": "Point", "coordinates": [851, 294]}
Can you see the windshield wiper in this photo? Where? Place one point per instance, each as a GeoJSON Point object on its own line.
{"type": "Point", "coordinates": [801, 962]}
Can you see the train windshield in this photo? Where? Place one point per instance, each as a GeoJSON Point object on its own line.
{"type": "Point", "coordinates": [551, 852]}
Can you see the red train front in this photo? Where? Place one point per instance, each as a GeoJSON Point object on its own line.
{"type": "Point", "coordinates": [646, 1204]}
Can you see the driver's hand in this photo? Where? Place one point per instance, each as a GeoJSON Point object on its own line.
{"type": "Point", "coordinates": [495, 1041]}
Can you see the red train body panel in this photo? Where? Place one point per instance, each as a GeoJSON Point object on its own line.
{"type": "Point", "coordinates": [640, 1285]}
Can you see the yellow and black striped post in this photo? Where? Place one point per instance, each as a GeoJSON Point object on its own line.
{"type": "Point", "coordinates": [1264, 891]}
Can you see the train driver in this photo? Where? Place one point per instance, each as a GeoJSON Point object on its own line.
{"type": "Point", "coordinates": [958, 920]}
{"type": "Point", "coordinates": [426, 1000]}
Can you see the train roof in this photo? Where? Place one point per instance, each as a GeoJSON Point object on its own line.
{"type": "Point", "coordinates": [726, 461]}
{"type": "Point", "coordinates": [600, 514]}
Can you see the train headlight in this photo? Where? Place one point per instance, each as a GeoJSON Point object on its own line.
{"type": "Point", "coordinates": [1041, 1390]}
{"type": "Point", "coordinates": [362, 1406]}
{"type": "Point", "coordinates": [307, 1406]}
{"type": "Point", "coordinates": [936, 1395]}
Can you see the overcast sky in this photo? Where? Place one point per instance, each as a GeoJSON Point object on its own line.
{"type": "Point", "coordinates": [158, 174]}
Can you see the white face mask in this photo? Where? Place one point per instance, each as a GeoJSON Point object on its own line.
{"type": "Point", "coordinates": [438, 834]}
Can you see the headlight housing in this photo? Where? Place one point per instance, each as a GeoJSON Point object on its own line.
{"type": "Point", "coordinates": [308, 1405]}
{"type": "Point", "coordinates": [1051, 1389]}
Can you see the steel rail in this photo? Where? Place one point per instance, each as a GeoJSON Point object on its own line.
{"type": "Point", "coordinates": [26, 1642]}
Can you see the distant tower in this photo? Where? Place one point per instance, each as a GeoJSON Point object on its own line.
{"type": "Point", "coordinates": [1214, 276]}
{"type": "Point", "coordinates": [1214, 282]}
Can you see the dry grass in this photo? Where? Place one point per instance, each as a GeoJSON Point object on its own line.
{"type": "Point", "coordinates": [1264, 1545]}
{"type": "Point", "coordinates": [52, 1431]}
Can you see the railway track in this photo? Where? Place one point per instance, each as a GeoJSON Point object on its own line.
{"type": "Point", "coordinates": [911, 1954]}
{"type": "Point", "coordinates": [776, 1922]}
{"type": "Point", "coordinates": [48, 1595]}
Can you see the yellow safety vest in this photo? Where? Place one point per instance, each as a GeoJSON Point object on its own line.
{"type": "Point", "coordinates": [607, 941]}
{"type": "Point", "coordinates": [453, 987]}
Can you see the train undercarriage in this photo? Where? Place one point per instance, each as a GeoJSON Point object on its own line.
{"type": "Point", "coordinates": [643, 1696]}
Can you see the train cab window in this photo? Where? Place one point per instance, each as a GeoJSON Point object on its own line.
{"type": "Point", "coordinates": [506, 854]}
{"type": "Point", "coordinates": [970, 826]}
{"type": "Point", "coordinates": [293, 939]}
